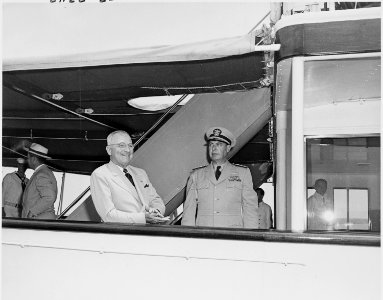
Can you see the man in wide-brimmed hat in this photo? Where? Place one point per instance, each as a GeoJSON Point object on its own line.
{"type": "Point", "coordinates": [41, 191]}
{"type": "Point", "coordinates": [13, 186]}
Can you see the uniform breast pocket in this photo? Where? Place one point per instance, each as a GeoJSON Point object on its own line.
{"type": "Point", "coordinates": [202, 192]}
{"type": "Point", "coordinates": [234, 184]}
{"type": "Point", "coordinates": [201, 186]}
{"type": "Point", "coordinates": [234, 189]}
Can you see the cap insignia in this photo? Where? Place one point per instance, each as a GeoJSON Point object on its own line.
{"type": "Point", "coordinates": [217, 132]}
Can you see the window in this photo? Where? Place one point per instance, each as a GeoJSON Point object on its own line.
{"type": "Point", "coordinates": [349, 167]}
{"type": "Point", "coordinates": [351, 209]}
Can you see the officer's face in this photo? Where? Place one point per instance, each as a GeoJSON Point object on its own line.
{"type": "Point", "coordinates": [218, 151]}
{"type": "Point", "coordinates": [120, 149]}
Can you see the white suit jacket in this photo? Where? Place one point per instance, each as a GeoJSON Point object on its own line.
{"type": "Point", "coordinates": [117, 200]}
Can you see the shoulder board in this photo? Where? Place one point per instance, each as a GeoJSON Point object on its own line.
{"type": "Point", "coordinates": [241, 166]}
{"type": "Point", "coordinates": [199, 167]}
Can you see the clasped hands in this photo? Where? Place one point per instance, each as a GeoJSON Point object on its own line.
{"type": "Point", "coordinates": [153, 216]}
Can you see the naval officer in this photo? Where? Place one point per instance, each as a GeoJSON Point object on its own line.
{"type": "Point", "coordinates": [220, 194]}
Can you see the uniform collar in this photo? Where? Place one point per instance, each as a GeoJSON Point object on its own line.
{"type": "Point", "coordinates": [21, 176]}
{"type": "Point", "coordinates": [214, 165]}
{"type": "Point", "coordinates": [225, 172]}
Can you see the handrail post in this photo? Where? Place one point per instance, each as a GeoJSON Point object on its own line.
{"type": "Point", "coordinates": [61, 194]}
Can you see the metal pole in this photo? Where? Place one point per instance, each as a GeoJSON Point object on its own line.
{"type": "Point", "coordinates": [298, 170]}
{"type": "Point", "coordinates": [281, 194]}
{"type": "Point", "coordinates": [61, 194]}
{"type": "Point", "coordinates": [20, 90]}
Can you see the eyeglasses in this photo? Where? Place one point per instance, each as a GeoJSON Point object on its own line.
{"type": "Point", "coordinates": [122, 145]}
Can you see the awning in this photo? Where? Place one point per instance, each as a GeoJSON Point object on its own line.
{"type": "Point", "coordinates": [70, 102]}
{"type": "Point", "coordinates": [71, 110]}
{"type": "Point", "coordinates": [160, 54]}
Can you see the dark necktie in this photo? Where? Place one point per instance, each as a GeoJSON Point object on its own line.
{"type": "Point", "coordinates": [129, 177]}
{"type": "Point", "coordinates": [23, 181]}
{"type": "Point", "coordinates": [218, 172]}
{"type": "Point", "coordinates": [23, 184]}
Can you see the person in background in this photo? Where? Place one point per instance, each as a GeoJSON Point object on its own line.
{"type": "Point", "coordinates": [13, 187]}
{"type": "Point", "coordinates": [121, 192]}
{"type": "Point", "coordinates": [265, 217]}
{"type": "Point", "coordinates": [319, 208]}
{"type": "Point", "coordinates": [40, 193]}
{"type": "Point", "coordinates": [220, 194]}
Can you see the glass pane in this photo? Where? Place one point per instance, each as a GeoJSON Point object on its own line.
{"type": "Point", "coordinates": [358, 209]}
{"type": "Point", "coordinates": [351, 168]}
{"type": "Point", "coordinates": [310, 192]}
{"type": "Point", "coordinates": [340, 209]}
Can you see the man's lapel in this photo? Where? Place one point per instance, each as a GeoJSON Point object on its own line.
{"type": "Point", "coordinates": [210, 174]}
{"type": "Point", "coordinates": [31, 180]}
{"type": "Point", "coordinates": [120, 179]}
{"type": "Point", "coordinates": [139, 185]}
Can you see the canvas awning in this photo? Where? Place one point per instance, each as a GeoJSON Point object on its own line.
{"type": "Point", "coordinates": [102, 83]}
{"type": "Point", "coordinates": [205, 50]}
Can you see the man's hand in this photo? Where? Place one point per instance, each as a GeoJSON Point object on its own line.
{"type": "Point", "coordinates": [154, 216]}
{"type": "Point", "coordinates": [156, 212]}
{"type": "Point", "coordinates": [151, 218]}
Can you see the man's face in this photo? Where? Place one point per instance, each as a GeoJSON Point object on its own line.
{"type": "Point", "coordinates": [120, 149]}
{"type": "Point", "coordinates": [321, 187]}
{"type": "Point", "coordinates": [21, 168]}
{"type": "Point", "coordinates": [218, 151]}
{"type": "Point", "coordinates": [31, 161]}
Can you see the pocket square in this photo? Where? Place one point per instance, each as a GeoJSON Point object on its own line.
{"type": "Point", "coordinates": [146, 185]}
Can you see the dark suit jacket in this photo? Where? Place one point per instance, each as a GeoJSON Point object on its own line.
{"type": "Point", "coordinates": [40, 194]}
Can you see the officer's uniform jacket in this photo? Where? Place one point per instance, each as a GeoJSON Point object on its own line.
{"type": "Point", "coordinates": [229, 201]}
{"type": "Point", "coordinates": [12, 194]}
{"type": "Point", "coordinates": [40, 194]}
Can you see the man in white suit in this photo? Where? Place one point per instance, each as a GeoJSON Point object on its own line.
{"type": "Point", "coordinates": [123, 193]}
